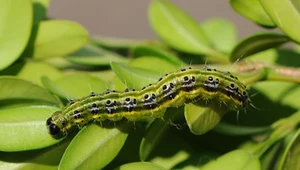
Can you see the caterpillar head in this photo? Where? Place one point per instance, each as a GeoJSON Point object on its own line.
{"type": "Point", "coordinates": [56, 125]}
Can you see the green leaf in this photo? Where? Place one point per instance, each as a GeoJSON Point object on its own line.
{"type": "Point", "coordinates": [24, 128]}
{"type": "Point", "coordinates": [172, 150]}
{"type": "Point", "coordinates": [228, 129]}
{"type": "Point", "coordinates": [94, 147]}
{"type": "Point", "coordinates": [29, 72]}
{"type": "Point", "coordinates": [177, 28]}
{"type": "Point", "coordinates": [14, 89]}
{"type": "Point", "coordinates": [46, 159]}
{"type": "Point", "coordinates": [196, 161]}
{"type": "Point", "coordinates": [91, 55]}
{"type": "Point", "coordinates": [79, 85]}
{"type": "Point", "coordinates": [140, 165]}
{"type": "Point", "coordinates": [144, 50]}
{"type": "Point", "coordinates": [39, 13]}
{"type": "Point", "coordinates": [222, 33]}
{"type": "Point", "coordinates": [257, 43]}
{"type": "Point", "coordinates": [234, 160]}
{"type": "Point", "coordinates": [55, 88]}
{"type": "Point", "coordinates": [290, 158]}
{"type": "Point", "coordinates": [134, 77]}
{"type": "Point", "coordinates": [58, 38]}
{"type": "Point", "coordinates": [152, 137]}
{"type": "Point", "coordinates": [15, 29]}
{"type": "Point", "coordinates": [154, 63]}
{"type": "Point", "coordinates": [267, 159]}
{"type": "Point", "coordinates": [285, 14]}
{"type": "Point", "coordinates": [252, 10]}
{"type": "Point", "coordinates": [115, 43]}
{"type": "Point", "coordinates": [156, 131]}
{"type": "Point", "coordinates": [202, 119]}
{"type": "Point", "coordinates": [39, 10]}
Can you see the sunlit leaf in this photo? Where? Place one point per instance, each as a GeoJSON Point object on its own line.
{"type": "Point", "coordinates": [58, 38]}
{"type": "Point", "coordinates": [25, 128]}
{"type": "Point", "coordinates": [15, 29]}
{"type": "Point", "coordinates": [285, 14]}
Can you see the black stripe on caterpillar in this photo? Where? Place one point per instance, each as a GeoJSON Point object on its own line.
{"type": "Point", "coordinates": [208, 86]}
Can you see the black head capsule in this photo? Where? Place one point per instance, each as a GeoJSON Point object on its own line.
{"type": "Point", "coordinates": [53, 129]}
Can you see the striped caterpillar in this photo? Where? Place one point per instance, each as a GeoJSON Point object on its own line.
{"type": "Point", "coordinates": [206, 86]}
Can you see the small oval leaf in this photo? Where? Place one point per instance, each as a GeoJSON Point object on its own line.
{"type": "Point", "coordinates": [234, 160]}
{"type": "Point", "coordinates": [229, 129]}
{"type": "Point", "coordinates": [15, 29]}
{"type": "Point", "coordinates": [286, 15]}
{"type": "Point", "coordinates": [290, 159]}
{"type": "Point", "coordinates": [221, 32]}
{"type": "Point", "coordinates": [40, 9]}
{"type": "Point", "coordinates": [93, 147]}
{"type": "Point", "coordinates": [202, 119]}
{"type": "Point", "coordinates": [154, 63]}
{"type": "Point", "coordinates": [256, 43]}
{"type": "Point", "coordinates": [134, 77]}
{"type": "Point", "coordinates": [177, 28]}
{"type": "Point", "coordinates": [144, 50]}
{"type": "Point", "coordinates": [12, 88]}
{"type": "Point", "coordinates": [91, 55]}
{"type": "Point", "coordinates": [46, 159]}
{"type": "Point", "coordinates": [58, 38]}
{"type": "Point", "coordinates": [252, 10]}
{"type": "Point", "coordinates": [24, 128]}
{"type": "Point", "coordinates": [29, 72]}
{"type": "Point", "coordinates": [140, 165]}
{"type": "Point", "coordinates": [86, 83]}
{"type": "Point", "coordinates": [156, 131]}
{"type": "Point", "coordinates": [115, 43]}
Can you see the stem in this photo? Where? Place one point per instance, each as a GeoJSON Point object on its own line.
{"type": "Point", "coordinates": [252, 72]}
{"type": "Point", "coordinates": [272, 72]}
{"type": "Point", "coordinates": [284, 74]}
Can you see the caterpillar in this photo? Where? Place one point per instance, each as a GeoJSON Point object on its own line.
{"type": "Point", "coordinates": [207, 86]}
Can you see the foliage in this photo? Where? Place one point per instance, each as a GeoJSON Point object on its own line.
{"type": "Point", "coordinates": [44, 63]}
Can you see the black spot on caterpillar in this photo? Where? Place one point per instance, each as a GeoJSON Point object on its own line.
{"type": "Point", "coordinates": [208, 86]}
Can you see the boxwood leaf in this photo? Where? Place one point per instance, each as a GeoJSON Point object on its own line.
{"type": "Point", "coordinates": [256, 43]}
{"type": "Point", "coordinates": [156, 131]}
{"type": "Point", "coordinates": [230, 129]}
{"type": "Point", "coordinates": [140, 165]}
{"type": "Point", "coordinates": [75, 86]}
{"type": "Point", "coordinates": [234, 160]}
{"type": "Point", "coordinates": [91, 55]}
{"type": "Point", "coordinates": [290, 158]}
{"type": "Point", "coordinates": [115, 43]}
{"type": "Point", "coordinates": [24, 128]}
{"type": "Point", "coordinates": [285, 14]}
{"type": "Point", "coordinates": [58, 38]}
{"type": "Point", "coordinates": [177, 28]}
{"type": "Point", "coordinates": [12, 88]}
{"type": "Point", "coordinates": [154, 63]}
{"type": "Point", "coordinates": [15, 29]}
{"type": "Point", "coordinates": [222, 33]}
{"type": "Point", "coordinates": [134, 77]}
{"type": "Point", "coordinates": [144, 50]}
{"type": "Point", "coordinates": [94, 147]}
{"type": "Point", "coordinates": [202, 119]}
{"type": "Point", "coordinates": [29, 72]}
{"type": "Point", "coordinates": [253, 11]}
{"type": "Point", "coordinates": [46, 159]}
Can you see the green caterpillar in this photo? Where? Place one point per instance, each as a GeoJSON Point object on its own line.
{"type": "Point", "coordinates": [208, 86]}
